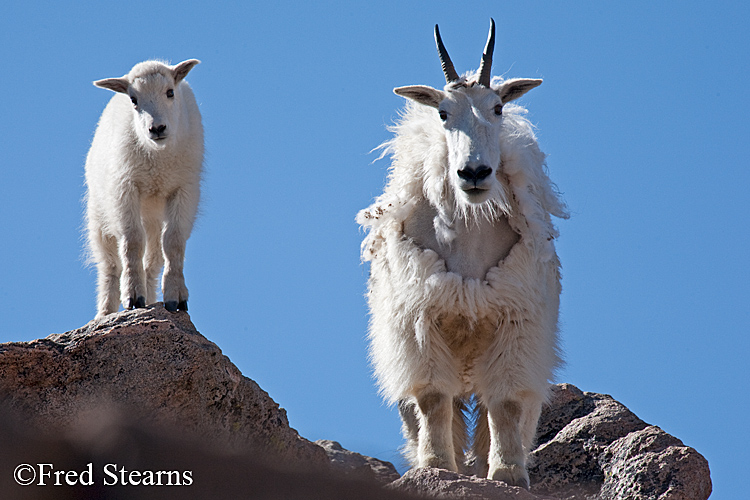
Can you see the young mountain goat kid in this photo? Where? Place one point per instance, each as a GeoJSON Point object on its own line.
{"type": "Point", "coordinates": [143, 175]}
{"type": "Point", "coordinates": [465, 282]}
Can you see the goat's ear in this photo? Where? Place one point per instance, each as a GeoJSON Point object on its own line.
{"type": "Point", "coordinates": [181, 70]}
{"type": "Point", "coordinates": [513, 89]}
{"type": "Point", "coordinates": [114, 84]}
{"type": "Point", "coordinates": [421, 94]}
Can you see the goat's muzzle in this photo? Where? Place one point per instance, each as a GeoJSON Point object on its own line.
{"type": "Point", "coordinates": [473, 182]}
{"type": "Point", "coordinates": [158, 132]}
{"type": "Point", "coordinates": [475, 175]}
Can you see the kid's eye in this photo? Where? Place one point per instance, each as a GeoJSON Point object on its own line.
{"type": "Point", "coordinates": [498, 109]}
{"type": "Point", "coordinates": [170, 93]}
{"type": "Point", "coordinates": [134, 100]}
{"type": "Point", "coordinates": [443, 115]}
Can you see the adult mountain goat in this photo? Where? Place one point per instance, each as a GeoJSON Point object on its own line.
{"type": "Point", "coordinates": [465, 282]}
{"type": "Point", "coordinates": [143, 175]}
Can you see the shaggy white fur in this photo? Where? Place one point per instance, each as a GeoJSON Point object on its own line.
{"type": "Point", "coordinates": [464, 295]}
{"type": "Point", "coordinates": [143, 175]}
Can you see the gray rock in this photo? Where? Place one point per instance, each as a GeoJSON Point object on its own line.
{"type": "Point", "coordinates": [151, 366]}
{"type": "Point", "coordinates": [356, 465]}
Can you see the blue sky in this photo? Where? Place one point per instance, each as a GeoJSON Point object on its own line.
{"type": "Point", "coordinates": [643, 113]}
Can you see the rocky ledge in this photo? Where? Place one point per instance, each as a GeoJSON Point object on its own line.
{"type": "Point", "coordinates": [590, 447]}
{"type": "Point", "coordinates": [144, 389]}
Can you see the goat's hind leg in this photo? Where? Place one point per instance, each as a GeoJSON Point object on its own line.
{"type": "Point", "coordinates": [409, 413]}
{"type": "Point", "coordinates": [108, 269]}
{"type": "Point", "coordinates": [461, 408]}
{"type": "Point", "coordinates": [481, 443]}
{"type": "Point", "coordinates": [153, 259]}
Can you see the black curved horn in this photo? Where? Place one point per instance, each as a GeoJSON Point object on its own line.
{"type": "Point", "coordinates": [485, 67]}
{"type": "Point", "coordinates": [445, 60]}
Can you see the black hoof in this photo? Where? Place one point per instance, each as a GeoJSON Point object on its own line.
{"type": "Point", "coordinates": [173, 306]}
{"type": "Point", "coordinates": [139, 302]}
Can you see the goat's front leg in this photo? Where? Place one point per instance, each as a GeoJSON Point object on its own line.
{"type": "Point", "coordinates": [131, 248]}
{"type": "Point", "coordinates": [507, 457]}
{"type": "Point", "coordinates": [180, 215]}
{"type": "Point", "coordinates": [435, 431]}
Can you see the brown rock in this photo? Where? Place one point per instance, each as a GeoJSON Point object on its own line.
{"type": "Point", "coordinates": [651, 464]}
{"type": "Point", "coordinates": [592, 447]}
{"type": "Point", "coordinates": [153, 367]}
{"type": "Point", "coordinates": [443, 484]}
{"type": "Point", "coordinates": [356, 465]}
{"type": "Point", "coordinates": [144, 389]}
{"type": "Point", "coordinates": [196, 471]}
{"type": "Point", "coordinates": [574, 430]}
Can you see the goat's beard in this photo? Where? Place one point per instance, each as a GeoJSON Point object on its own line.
{"type": "Point", "coordinates": [495, 206]}
{"type": "Point", "coordinates": [457, 209]}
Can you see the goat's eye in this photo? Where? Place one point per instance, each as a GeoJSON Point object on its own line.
{"type": "Point", "coordinates": [443, 115]}
{"type": "Point", "coordinates": [134, 100]}
{"type": "Point", "coordinates": [170, 93]}
{"type": "Point", "coordinates": [498, 109]}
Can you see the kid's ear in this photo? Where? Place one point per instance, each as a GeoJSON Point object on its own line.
{"type": "Point", "coordinates": [181, 70]}
{"type": "Point", "coordinates": [114, 84]}
{"type": "Point", "coordinates": [421, 94]}
{"type": "Point", "coordinates": [513, 89]}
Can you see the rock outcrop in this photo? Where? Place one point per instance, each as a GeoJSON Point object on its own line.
{"type": "Point", "coordinates": [159, 413]}
{"type": "Point", "coordinates": [590, 447]}
{"type": "Point", "coordinates": [144, 389]}
{"type": "Point", "coordinates": [445, 485]}
{"type": "Point", "coordinates": [356, 465]}
{"type": "Point", "coordinates": [151, 366]}
{"type": "Point", "coordinates": [138, 462]}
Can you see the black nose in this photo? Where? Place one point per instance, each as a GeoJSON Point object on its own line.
{"type": "Point", "coordinates": [158, 131]}
{"type": "Point", "coordinates": [475, 175]}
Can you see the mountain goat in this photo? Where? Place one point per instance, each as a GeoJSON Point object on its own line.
{"type": "Point", "coordinates": [464, 280]}
{"type": "Point", "coordinates": [143, 175]}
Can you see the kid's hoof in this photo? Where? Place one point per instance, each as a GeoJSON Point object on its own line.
{"type": "Point", "coordinates": [173, 306]}
{"type": "Point", "coordinates": [139, 302]}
